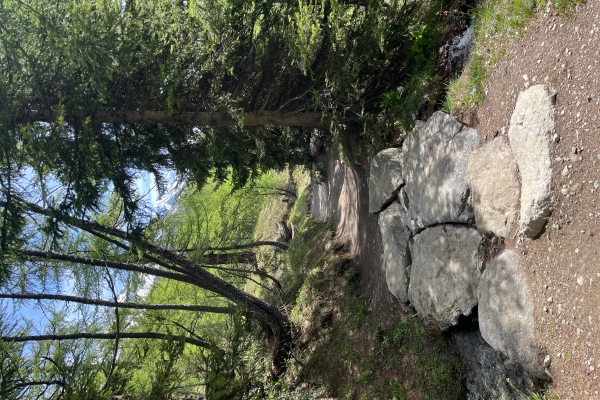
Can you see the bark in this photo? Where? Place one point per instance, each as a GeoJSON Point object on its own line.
{"type": "Point", "coordinates": [279, 245]}
{"type": "Point", "coordinates": [34, 255]}
{"type": "Point", "coordinates": [242, 257]}
{"type": "Point", "coordinates": [122, 335]}
{"type": "Point", "coordinates": [106, 303]}
{"type": "Point", "coordinates": [149, 117]}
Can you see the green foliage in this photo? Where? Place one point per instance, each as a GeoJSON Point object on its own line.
{"type": "Point", "coordinates": [73, 63]}
{"type": "Point", "coordinates": [423, 43]}
{"type": "Point", "coordinates": [497, 24]}
{"type": "Point", "coordinates": [230, 372]}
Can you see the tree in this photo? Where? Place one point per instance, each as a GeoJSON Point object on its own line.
{"type": "Point", "coordinates": [164, 263]}
{"type": "Point", "coordinates": [93, 91]}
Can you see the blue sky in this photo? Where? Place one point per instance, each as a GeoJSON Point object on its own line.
{"type": "Point", "coordinates": [32, 311]}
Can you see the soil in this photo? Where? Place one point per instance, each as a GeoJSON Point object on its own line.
{"type": "Point", "coordinates": [561, 266]}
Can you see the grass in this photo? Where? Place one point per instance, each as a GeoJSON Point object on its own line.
{"type": "Point", "coordinates": [341, 350]}
{"type": "Point", "coordinates": [498, 23]}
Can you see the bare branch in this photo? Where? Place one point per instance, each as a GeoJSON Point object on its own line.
{"type": "Point", "coordinates": [105, 303]}
{"type": "Point", "coordinates": [105, 336]}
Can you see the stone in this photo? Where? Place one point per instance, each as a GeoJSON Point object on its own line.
{"type": "Point", "coordinates": [403, 199]}
{"type": "Point", "coordinates": [385, 178]}
{"type": "Point", "coordinates": [494, 183]}
{"type": "Point", "coordinates": [444, 275]}
{"type": "Point", "coordinates": [434, 166]}
{"type": "Point", "coordinates": [488, 373]}
{"type": "Point", "coordinates": [395, 236]}
{"type": "Point", "coordinates": [506, 312]}
{"type": "Point", "coordinates": [412, 225]}
{"type": "Point", "coordinates": [530, 135]}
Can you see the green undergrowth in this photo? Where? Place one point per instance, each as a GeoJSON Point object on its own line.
{"type": "Point", "coordinates": [498, 24]}
{"type": "Point", "coordinates": [341, 349]}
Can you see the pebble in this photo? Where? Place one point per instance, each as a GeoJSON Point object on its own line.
{"type": "Point", "coordinates": [564, 191]}
{"type": "Point", "coordinates": [577, 250]}
{"type": "Point", "coordinates": [574, 188]}
{"type": "Point", "coordinates": [547, 361]}
{"type": "Point", "coordinates": [596, 185]}
{"type": "Point", "coordinates": [565, 171]}
{"type": "Point", "coordinates": [580, 280]}
{"type": "Point", "coordinates": [550, 299]}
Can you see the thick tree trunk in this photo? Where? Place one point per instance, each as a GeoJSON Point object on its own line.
{"type": "Point", "coordinates": [106, 303]}
{"type": "Point", "coordinates": [258, 118]}
{"type": "Point", "coordinates": [121, 335]}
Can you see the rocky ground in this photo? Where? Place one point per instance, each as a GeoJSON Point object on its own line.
{"type": "Point", "coordinates": [560, 266]}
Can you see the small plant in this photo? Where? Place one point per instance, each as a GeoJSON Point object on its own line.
{"type": "Point", "coordinates": [424, 39]}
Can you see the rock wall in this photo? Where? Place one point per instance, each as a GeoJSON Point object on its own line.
{"type": "Point", "coordinates": [450, 194]}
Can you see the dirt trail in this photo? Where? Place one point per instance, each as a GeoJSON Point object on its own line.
{"type": "Point", "coordinates": [343, 200]}
{"type": "Point", "coordinates": [562, 266]}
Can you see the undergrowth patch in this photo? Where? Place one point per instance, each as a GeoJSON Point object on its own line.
{"type": "Point", "coordinates": [498, 23]}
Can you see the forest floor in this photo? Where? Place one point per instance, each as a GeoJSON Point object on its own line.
{"type": "Point", "coordinates": [561, 266]}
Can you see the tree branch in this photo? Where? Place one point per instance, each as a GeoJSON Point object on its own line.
{"type": "Point", "coordinates": [105, 336]}
{"type": "Point", "coordinates": [106, 303]}
{"type": "Point", "coordinates": [34, 255]}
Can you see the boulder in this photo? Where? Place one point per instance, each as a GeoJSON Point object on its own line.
{"type": "Point", "coordinates": [395, 236]}
{"type": "Point", "coordinates": [506, 312]}
{"type": "Point", "coordinates": [412, 225]}
{"type": "Point", "coordinates": [530, 135]}
{"type": "Point", "coordinates": [385, 178]}
{"type": "Point", "coordinates": [434, 166]}
{"type": "Point", "coordinates": [494, 183]}
{"type": "Point", "coordinates": [444, 276]}
{"type": "Point", "coordinates": [488, 373]}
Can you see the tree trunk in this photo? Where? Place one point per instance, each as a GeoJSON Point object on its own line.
{"type": "Point", "coordinates": [34, 255]}
{"type": "Point", "coordinates": [106, 303]}
{"type": "Point", "coordinates": [121, 335]}
{"type": "Point", "coordinates": [148, 117]}
{"type": "Point", "coordinates": [242, 257]}
{"type": "Point", "coordinates": [279, 245]}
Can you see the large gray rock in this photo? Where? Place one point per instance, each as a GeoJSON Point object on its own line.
{"type": "Point", "coordinates": [488, 373]}
{"type": "Point", "coordinates": [395, 236]}
{"type": "Point", "coordinates": [506, 312]}
{"type": "Point", "coordinates": [494, 185]}
{"type": "Point", "coordinates": [385, 178]}
{"type": "Point", "coordinates": [434, 162]}
{"type": "Point", "coordinates": [530, 133]}
{"type": "Point", "coordinates": [445, 272]}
